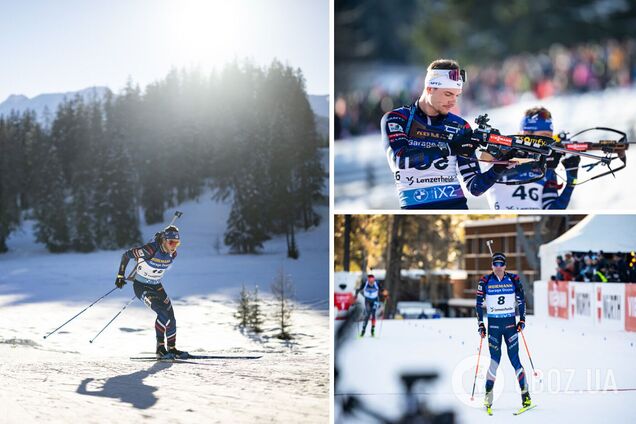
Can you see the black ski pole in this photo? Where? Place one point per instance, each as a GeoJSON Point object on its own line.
{"type": "Point", "coordinates": [122, 310]}
{"type": "Point", "coordinates": [82, 311]}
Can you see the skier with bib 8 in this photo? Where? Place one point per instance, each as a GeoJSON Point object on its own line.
{"type": "Point", "coordinates": [153, 260]}
{"type": "Point", "coordinates": [502, 291]}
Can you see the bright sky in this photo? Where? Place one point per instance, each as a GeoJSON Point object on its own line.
{"type": "Point", "coordinates": [55, 46]}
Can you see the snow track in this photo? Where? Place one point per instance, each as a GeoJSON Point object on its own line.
{"type": "Point", "coordinates": [583, 373]}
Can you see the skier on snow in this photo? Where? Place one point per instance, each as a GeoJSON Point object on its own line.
{"type": "Point", "coordinates": [371, 291]}
{"type": "Point", "coordinates": [153, 260]}
{"type": "Point", "coordinates": [422, 158]}
{"type": "Point", "coordinates": [502, 291]}
{"type": "Point", "coordinates": [541, 194]}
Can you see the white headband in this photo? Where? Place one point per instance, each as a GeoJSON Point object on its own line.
{"type": "Point", "coordinates": [439, 78]}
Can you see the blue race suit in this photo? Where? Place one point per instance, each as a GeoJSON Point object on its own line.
{"type": "Point", "coordinates": [425, 172]}
{"type": "Point", "coordinates": [371, 295]}
{"type": "Point", "coordinates": [152, 262]}
{"type": "Point", "coordinates": [501, 297]}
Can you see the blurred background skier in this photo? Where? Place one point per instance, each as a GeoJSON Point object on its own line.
{"type": "Point", "coordinates": [372, 293]}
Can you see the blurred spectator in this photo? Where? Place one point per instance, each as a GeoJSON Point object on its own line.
{"type": "Point", "coordinates": [559, 70]}
{"type": "Point", "coordinates": [596, 267]}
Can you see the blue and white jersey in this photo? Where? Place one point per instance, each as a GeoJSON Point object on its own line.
{"type": "Point", "coordinates": [541, 194]}
{"type": "Point", "coordinates": [152, 262]}
{"type": "Point", "coordinates": [418, 152]}
{"type": "Point", "coordinates": [370, 292]}
{"type": "Point", "coordinates": [501, 296]}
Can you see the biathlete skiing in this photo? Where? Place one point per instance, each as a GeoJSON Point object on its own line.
{"type": "Point", "coordinates": [372, 293]}
{"type": "Point", "coordinates": [502, 291]}
{"type": "Point", "coordinates": [152, 261]}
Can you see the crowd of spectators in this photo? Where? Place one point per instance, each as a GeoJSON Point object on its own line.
{"type": "Point", "coordinates": [597, 267]}
{"type": "Point", "coordinates": [558, 70]}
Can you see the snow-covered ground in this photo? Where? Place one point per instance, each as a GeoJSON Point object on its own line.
{"type": "Point", "coordinates": [585, 375]}
{"type": "Point", "coordinates": [363, 180]}
{"type": "Point", "coordinates": [66, 379]}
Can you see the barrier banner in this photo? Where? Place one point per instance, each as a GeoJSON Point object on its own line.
{"type": "Point", "coordinates": [610, 305]}
{"type": "Point", "coordinates": [343, 302]}
{"type": "Point", "coordinates": [558, 299]}
{"type": "Point", "coordinates": [582, 302]}
{"type": "Point", "coordinates": [630, 307]}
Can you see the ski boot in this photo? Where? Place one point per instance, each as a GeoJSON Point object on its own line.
{"type": "Point", "coordinates": [363, 331]}
{"type": "Point", "coordinates": [161, 352]}
{"type": "Point", "coordinates": [525, 398]}
{"type": "Point", "coordinates": [373, 331]}
{"type": "Point", "coordinates": [176, 353]}
{"type": "Point", "coordinates": [488, 401]}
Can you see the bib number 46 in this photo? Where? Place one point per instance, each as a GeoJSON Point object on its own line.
{"type": "Point", "coordinates": [522, 193]}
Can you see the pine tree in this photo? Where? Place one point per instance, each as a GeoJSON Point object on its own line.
{"type": "Point", "coordinates": [243, 310]}
{"type": "Point", "coordinates": [49, 208]}
{"type": "Point", "coordinates": [283, 291]}
{"type": "Point", "coordinates": [255, 313]}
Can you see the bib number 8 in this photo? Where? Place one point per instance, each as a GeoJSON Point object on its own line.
{"type": "Point", "coordinates": [501, 300]}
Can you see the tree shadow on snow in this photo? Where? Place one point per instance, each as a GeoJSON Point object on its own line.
{"type": "Point", "coordinates": [129, 388]}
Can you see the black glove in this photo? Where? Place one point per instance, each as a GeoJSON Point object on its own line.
{"type": "Point", "coordinates": [552, 160]}
{"type": "Point", "coordinates": [521, 324]}
{"type": "Point", "coordinates": [120, 282]}
{"type": "Point", "coordinates": [482, 330]}
{"type": "Point", "coordinates": [571, 165]}
{"type": "Point", "coordinates": [463, 144]}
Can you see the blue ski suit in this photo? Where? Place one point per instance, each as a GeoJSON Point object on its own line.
{"type": "Point", "coordinates": [152, 262]}
{"type": "Point", "coordinates": [501, 297]}
{"type": "Point", "coordinates": [371, 295]}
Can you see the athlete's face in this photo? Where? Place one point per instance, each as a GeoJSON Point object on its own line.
{"type": "Point", "coordinates": [170, 246]}
{"type": "Point", "coordinates": [498, 267]}
{"type": "Point", "coordinates": [371, 280]}
{"type": "Point", "coordinates": [442, 100]}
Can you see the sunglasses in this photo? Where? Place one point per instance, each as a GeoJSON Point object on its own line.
{"type": "Point", "coordinates": [457, 74]}
{"type": "Point", "coordinates": [173, 243]}
{"type": "Point", "coordinates": [498, 264]}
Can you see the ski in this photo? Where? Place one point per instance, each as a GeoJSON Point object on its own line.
{"type": "Point", "coordinates": [524, 409]}
{"type": "Point", "coordinates": [154, 358]}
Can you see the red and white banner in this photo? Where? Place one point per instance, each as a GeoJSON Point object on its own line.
{"type": "Point", "coordinates": [343, 302]}
{"type": "Point", "coordinates": [558, 299]}
{"type": "Point", "coordinates": [610, 306]}
{"type": "Point", "coordinates": [630, 307]}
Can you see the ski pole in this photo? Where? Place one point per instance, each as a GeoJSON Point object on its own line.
{"type": "Point", "coordinates": [177, 214]}
{"type": "Point", "coordinates": [488, 243]}
{"type": "Point", "coordinates": [382, 319]}
{"type": "Point", "coordinates": [526, 345]}
{"type": "Point", "coordinates": [122, 310]}
{"type": "Point", "coordinates": [472, 395]}
{"type": "Point", "coordinates": [82, 311]}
